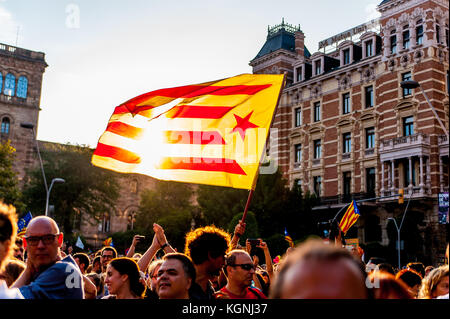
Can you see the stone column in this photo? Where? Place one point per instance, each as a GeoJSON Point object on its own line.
{"type": "Point", "coordinates": [392, 177]}
{"type": "Point", "coordinates": [441, 174]}
{"type": "Point", "coordinates": [428, 180]}
{"type": "Point", "coordinates": [410, 186]}
{"type": "Point", "coordinates": [382, 178]}
{"type": "Point", "coordinates": [421, 185]}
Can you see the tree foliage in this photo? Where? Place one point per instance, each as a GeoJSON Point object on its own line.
{"type": "Point", "coordinates": [9, 189]}
{"type": "Point", "coordinates": [88, 190]}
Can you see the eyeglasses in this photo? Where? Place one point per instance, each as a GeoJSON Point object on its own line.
{"type": "Point", "coordinates": [46, 239]}
{"type": "Point", "coordinates": [246, 267]}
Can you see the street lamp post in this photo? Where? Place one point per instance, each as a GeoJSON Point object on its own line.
{"type": "Point", "coordinates": [398, 239]}
{"type": "Point", "coordinates": [30, 126]}
{"type": "Point", "coordinates": [414, 85]}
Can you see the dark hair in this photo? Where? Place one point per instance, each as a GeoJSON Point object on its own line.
{"type": "Point", "coordinates": [98, 281]}
{"type": "Point", "coordinates": [83, 259]}
{"type": "Point", "coordinates": [109, 248]}
{"type": "Point", "coordinates": [205, 241]}
{"type": "Point", "coordinates": [417, 266]}
{"type": "Point", "coordinates": [386, 268]}
{"type": "Point", "coordinates": [96, 259]}
{"type": "Point", "coordinates": [409, 277]}
{"type": "Point", "coordinates": [13, 269]}
{"type": "Point", "coordinates": [127, 266]}
{"type": "Point", "coordinates": [188, 265]}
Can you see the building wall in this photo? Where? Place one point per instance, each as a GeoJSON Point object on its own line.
{"type": "Point", "coordinates": [428, 64]}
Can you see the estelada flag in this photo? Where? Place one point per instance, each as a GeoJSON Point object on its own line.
{"type": "Point", "coordinates": [288, 238]}
{"type": "Point", "coordinates": [210, 133]}
{"type": "Point", "coordinates": [349, 218]}
{"type": "Point", "coordinates": [108, 242]}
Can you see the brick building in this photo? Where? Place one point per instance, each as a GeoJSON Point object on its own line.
{"type": "Point", "coordinates": [347, 130]}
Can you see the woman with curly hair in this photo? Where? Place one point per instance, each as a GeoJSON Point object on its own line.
{"type": "Point", "coordinates": [435, 284]}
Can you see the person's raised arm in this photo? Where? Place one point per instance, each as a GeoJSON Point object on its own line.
{"type": "Point", "coordinates": [238, 231]}
{"type": "Point", "coordinates": [162, 240]}
{"type": "Point", "coordinates": [269, 265]}
{"type": "Point", "coordinates": [145, 260]}
{"type": "Point", "coordinates": [132, 248]}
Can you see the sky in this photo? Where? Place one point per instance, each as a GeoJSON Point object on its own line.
{"type": "Point", "coordinates": [102, 53]}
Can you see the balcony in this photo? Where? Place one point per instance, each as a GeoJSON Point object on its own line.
{"type": "Point", "coordinates": [443, 145]}
{"type": "Point", "coordinates": [404, 147]}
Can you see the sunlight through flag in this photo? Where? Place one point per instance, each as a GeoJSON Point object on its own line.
{"type": "Point", "coordinates": [211, 133]}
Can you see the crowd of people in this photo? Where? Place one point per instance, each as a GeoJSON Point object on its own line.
{"type": "Point", "coordinates": [213, 266]}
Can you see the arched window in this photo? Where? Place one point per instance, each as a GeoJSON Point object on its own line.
{"type": "Point", "coordinates": [22, 87]}
{"type": "Point", "coordinates": [1, 81]}
{"type": "Point", "coordinates": [131, 220]}
{"type": "Point", "coordinates": [5, 125]}
{"type": "Point", "coordinates": [10, 85]}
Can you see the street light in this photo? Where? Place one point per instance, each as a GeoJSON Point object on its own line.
{"type": "Point", "coordinates": [413, 85]}
{"type": "Point", "coordinates": [30, 126]}
{"type": "Point", "coordinates": [55, 180]}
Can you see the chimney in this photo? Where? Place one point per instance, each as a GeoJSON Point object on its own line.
{"type": "Point", "coordinates": [300, 43]}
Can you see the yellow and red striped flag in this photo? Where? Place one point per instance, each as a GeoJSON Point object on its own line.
{"type": "Point", "coordinates": [349, 218]}
{"type": "Point", "coordinates": [211, 133]}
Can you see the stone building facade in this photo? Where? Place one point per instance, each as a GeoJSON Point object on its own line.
{"type": "Point", "coordinates": [21, 73]}
{"type": "Point", "coordinates": [347, 129]}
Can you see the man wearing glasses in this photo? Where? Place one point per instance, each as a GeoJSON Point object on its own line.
{"type": "Point", "coordinates": [239, 269]}
{"type": "Point", "coordinates": [46, 275]}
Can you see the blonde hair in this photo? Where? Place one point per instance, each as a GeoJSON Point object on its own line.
{"type": "Point", "coordinates": [430, 282]}
{"type": "Point", "coordinates": [8, 230]}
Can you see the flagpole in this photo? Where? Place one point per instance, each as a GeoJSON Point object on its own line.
{"type": "Point", "coordinates": [250, 194]}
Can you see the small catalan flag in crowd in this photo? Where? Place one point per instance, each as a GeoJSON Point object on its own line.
{"type": "Point", "coordinates": [23, 223]}
{"type": "Point", "coordinates": [349, 218]}
{"type": "Point", "coordinates": [108, 242]}
{"type": "Point", "coordinates": [288, 238]}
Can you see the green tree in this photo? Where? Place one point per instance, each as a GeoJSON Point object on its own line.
{"type": "Point", "coordinates": [88, 191]}
{"type": "Point", "coordinates": [9, 189]}
{"type": "Point", "coordinates": [170, 205]}
{"type": "Point", "coordinates": [219, 204]}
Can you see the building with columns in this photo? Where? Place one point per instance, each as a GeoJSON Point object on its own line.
{"type": "Point", "coordinates": [346, 130]}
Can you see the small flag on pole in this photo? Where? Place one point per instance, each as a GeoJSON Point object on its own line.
{"type": "Point", "coordinates": [23, 223]}
{"type": "Point", "coordinates": [210, 133]}
{"type": "Point", "coordinates": [349, 218]}
{"type": "Point", "coordinates": [79, 243]}
{"type": "Point", "coordinates": [288, 238]}
{"type": "Point", "coordinates": [108, 242]}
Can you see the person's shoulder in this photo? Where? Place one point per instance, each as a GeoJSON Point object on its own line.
{"type": "Point", "coordinates": [258, 293]}
{"type": "Point", "coordinates": [222, 294]}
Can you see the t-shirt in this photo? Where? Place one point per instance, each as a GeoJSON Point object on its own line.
{"type": "Point", "coordinates": [196, 292]}
{"type": "Point", "coordinates": [9, 293]}
{"type": "Point", "coordinates": [250, 293]}
{"type": "Point", "coordinates": [63, 280]}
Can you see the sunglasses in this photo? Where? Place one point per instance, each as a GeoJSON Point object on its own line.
{"type": "Point", "coordinates": [46, 239]}
{"type": "Point", "coordinates": [246, 267]}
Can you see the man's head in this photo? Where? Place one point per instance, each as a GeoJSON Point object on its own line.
{"type": "Point", "coordinates": [239, 268]}
{"type": "Point", "coordinates": [208, 245]}
{"type": "Point", "coordinates": [175, 276]}
{"type": "Point", "coordinates": [97, 264]}
{"type": "Point", "coordinates": [318, 271]}
{"type": "Point", "coordinates": [18, 249]}
{"type": "Point", "coordinates": [8, 231]}
{"type": "Point", "coordinates": [42, 241]}
{"type": "Point", "coordinates": [417, 266]}
{"type": "Point", "coordinates": [82, 261]}
{"type": "Point", "coordinates": [107, 254]}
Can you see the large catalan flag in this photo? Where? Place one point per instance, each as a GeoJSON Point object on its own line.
{"type": "Point", "coordinates": [22, 224]}
{"type": "Point", "coordinates": [211, 133]}
{"type": "Point", "coordinates": [349, 218]}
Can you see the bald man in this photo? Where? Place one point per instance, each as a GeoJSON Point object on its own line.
{"type": "Point", "coordinates": [46, 275]}
{"type": "Point", "coordinates": [318, 271]}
